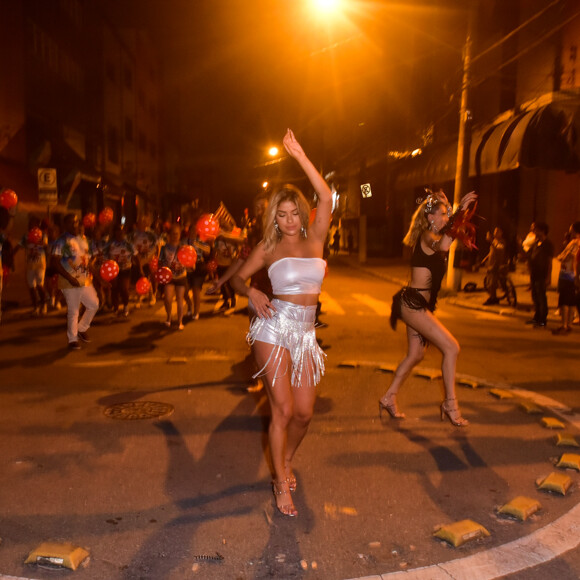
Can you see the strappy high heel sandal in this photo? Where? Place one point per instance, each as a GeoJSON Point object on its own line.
{"type": "Point", "coordinates": [391, 408]}
{"type": "Point", "coordinates": [453, 414]}
{"type": "Point", "coordinates": [286, 509]}
{"type": "Point", "coordinates": [291, 479]}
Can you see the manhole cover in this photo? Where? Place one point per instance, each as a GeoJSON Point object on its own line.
{"type": "Point", "coordinates": [138, 410]}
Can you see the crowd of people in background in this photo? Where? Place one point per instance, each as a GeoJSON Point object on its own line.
{"type": "Point", "coordinates": [147, 245]}
{"type": "Point", "coordinates": [60, 260]}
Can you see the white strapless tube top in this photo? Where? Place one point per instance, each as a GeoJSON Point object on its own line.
{"type": "Point", "coordinates": [297, 276]}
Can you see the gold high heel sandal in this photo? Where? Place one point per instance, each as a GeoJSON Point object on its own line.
{"type": "Point", "coordinates": [391, 408]}
{"type": "Point", "coordinates": [286, 509]}
{"type": "Point", "coordinates": [454, 415]}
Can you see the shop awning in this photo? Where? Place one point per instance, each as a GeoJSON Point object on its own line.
{"type": "Point", "coordinates": [547, 137]}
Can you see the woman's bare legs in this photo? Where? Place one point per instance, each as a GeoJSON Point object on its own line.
{"type": "Point", "coordinates": [424, 323]}
{"type": "Point", "coordinates": [282, 409]}
{"type": "Point", "coordinates": [168, 293]}
{"type": "Point", "coordinates": [304, 399]}
{"type": "Point", "coordinates": [179, 295]}
{"type": "Point", "coordinates": [415, 354]}
{"type": "Point", "coordinates": [196, 301]}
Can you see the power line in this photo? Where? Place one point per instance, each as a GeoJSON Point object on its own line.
{"type": "Point", "coordinates": [515, 31]}
{"type": "Point", "coordinates": [528, 48]}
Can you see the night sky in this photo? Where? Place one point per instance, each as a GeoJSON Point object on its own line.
{"type": "Point", "coordinates": [237, 73]}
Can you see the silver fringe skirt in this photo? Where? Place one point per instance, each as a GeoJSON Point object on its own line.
{"type": "Point", "coordinates": [291, 328]}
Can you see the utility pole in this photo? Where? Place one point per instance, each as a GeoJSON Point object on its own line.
{"type": "Point", "coordinates": [463, 143]}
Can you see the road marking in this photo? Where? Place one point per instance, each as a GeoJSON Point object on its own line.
{"type": "Point", "coordinates": [381, 307]}
{"type": "Point", "coordinates": [330, 305]}
{"type": "Point", "coordinates": [490, 316]}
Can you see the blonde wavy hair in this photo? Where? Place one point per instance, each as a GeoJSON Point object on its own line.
{"type": "Point", "coordinates": [419, 221]}
{"type": "Point", "coordinates": [286, 193]}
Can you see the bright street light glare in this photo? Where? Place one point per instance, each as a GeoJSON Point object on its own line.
{"type": "Point", "coordinates": [273, 151]}
{"type": "Point", "coordinates": [326, 5]}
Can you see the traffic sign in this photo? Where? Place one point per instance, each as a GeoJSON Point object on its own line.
{"type": "Point", "coordinates": [47, 186]}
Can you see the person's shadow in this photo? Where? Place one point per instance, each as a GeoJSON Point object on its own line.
{"type": "Point", "coordinates": [223, 484]}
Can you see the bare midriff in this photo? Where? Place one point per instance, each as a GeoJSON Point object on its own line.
{"type": "Point", "coordinates": [421, 281]}
{"type": "Point", "coordinates": [299, 299]}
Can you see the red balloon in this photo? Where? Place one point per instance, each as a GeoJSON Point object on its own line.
{"type": "Point", "coordinates": [164, 275]}
{"type": "Point", "coordinates": [109, 270]}
{"type": "Point", "coordinates": [89, 220]}
{"type": "Point", "coordinates": [106, 216]}
{"type": "Point", "coordinates": [142, 286]}
{"type": "Point", "coordinates": [8, 198]}
{"type": "Point", "coordinates": [187, 256]}
{"type": "Point", "coordinates": [154, 264]}
{"type": "Point", "coordinates": [212, 266]}
{"type": "Point", "coordinates": [35, 236]}
{"type": "Point", "coordinates": [207, 227]}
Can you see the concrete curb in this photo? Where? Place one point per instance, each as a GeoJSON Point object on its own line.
{"type": "Point", "coordinates": [540, 547]}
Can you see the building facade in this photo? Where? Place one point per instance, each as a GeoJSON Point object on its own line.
{"type": "Point", "coordinates": [523, 129]}
{"type": "Point", "coordinates": [76, 99]}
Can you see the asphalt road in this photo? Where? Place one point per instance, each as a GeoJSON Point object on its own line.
{"type": "Point", "coordinates": [159, 498]}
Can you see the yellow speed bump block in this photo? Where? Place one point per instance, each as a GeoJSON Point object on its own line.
{"type": "Point", "coordinates": [520, 508]}
{"type": "Point", "coordinates": [57, 555]}
{"type": "Point", "coordinates": [566, 440]}
{"type": "Point", "coordinates": [530, 407]}
{"type": "Point", "coordinates": [387, 368]}
{"type": "Point", "coordinates": [468, 382]}
{"type": "Point", "coordinates": [460, 532]}
{"type": "Point", "coordinates": [350, 364]}
{"type": "Point", "coordinates": [501, 393]}
{"type": "Point", "coordinates": [557, 482]}
{"type": "Point", "coordinates": [431, 374]}
{"type": "Point", "coordinates": [570, 461]}
{"type": "Point", "coordinates": [552, 423]}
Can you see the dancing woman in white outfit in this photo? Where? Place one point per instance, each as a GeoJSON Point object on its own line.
{"type": "Point", "coordinates": [282, 333]}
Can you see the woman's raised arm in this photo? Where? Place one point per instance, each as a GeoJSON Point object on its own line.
{"type": "Point", "coordinates": [324, 208]}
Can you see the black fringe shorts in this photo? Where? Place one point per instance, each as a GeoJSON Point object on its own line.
{"type": "Point", "coordinates": [413, 299]}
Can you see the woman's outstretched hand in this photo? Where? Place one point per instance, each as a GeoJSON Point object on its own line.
{"type": "Point", "coordinates": [292, 146]}
{"type": "Point", "coordinates": [468, 199]}
{"type": "Point", "coordinates": [213, 287]}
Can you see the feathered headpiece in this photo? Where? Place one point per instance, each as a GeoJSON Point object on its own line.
{"type": "Point", "coordinates": [432, 199]}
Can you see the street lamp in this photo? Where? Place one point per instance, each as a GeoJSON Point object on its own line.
{"type": "Point", "coordinates": [326, 6]}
